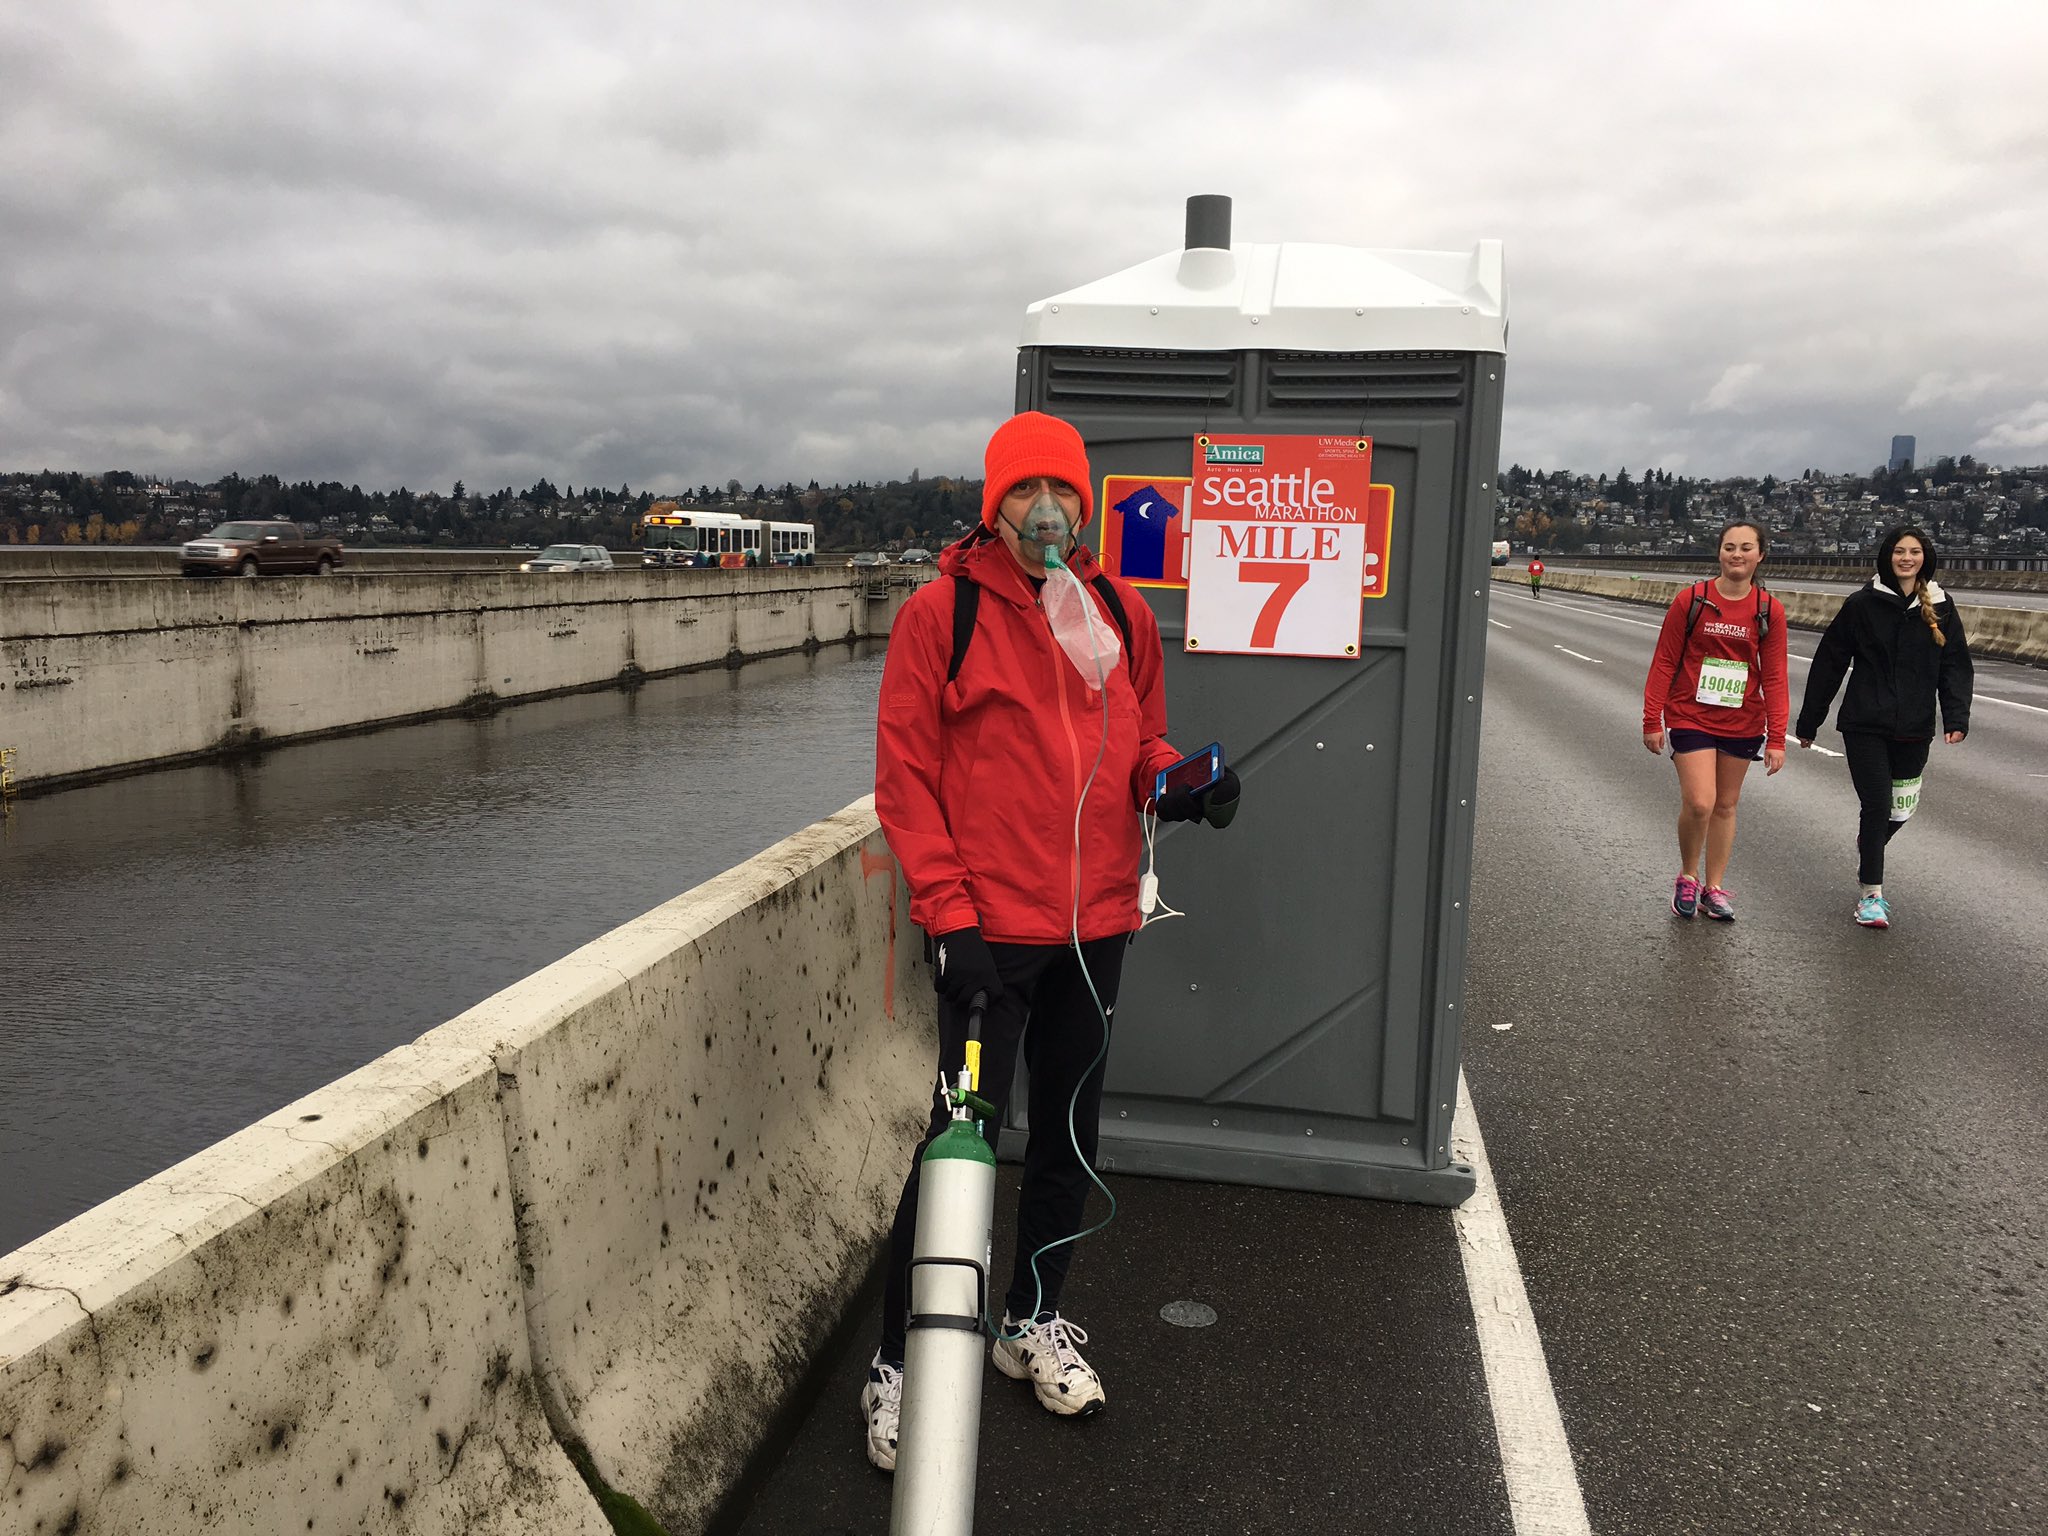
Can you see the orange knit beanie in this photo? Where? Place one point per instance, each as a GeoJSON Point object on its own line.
{"type": "Point", "coordinates": [1028, 445]}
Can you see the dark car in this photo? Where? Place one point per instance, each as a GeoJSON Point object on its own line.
{"type": "Point", "coordinates": [915, 557]}
{"type": "Point", "coordinates": [266, 548]}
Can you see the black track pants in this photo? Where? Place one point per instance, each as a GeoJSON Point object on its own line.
{"type": "Point", "coordinates": [1874, 762]}
{"type": "Point", "coordinates": [1045, 1004]}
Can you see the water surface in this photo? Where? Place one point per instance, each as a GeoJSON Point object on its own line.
{"type": "Point", "coordinates": [182, 952]}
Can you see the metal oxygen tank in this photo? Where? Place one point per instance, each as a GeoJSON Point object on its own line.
{"type": "Point", "coordinates": [938, 1437]}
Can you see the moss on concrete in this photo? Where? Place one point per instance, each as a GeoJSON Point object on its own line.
{"type": "Point", "coordinates": [626, 1514]}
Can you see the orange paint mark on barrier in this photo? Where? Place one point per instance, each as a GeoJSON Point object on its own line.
{"type": "Point", "coordinates": [874, 864]}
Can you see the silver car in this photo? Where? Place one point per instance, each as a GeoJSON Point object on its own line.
{"type": "Point", "coordinates": [570, 557]}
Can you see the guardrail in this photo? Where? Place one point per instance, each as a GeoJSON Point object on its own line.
{"type": "Point", "coordinates": [62, 561]}
{"type": "Point", "coordinates": [2011, 634]}
{"type": "Point", "coordinates": [46, 562]}
{"type": "Point", "coordinates": [604, 1221]}
{"type": "Point", "coordinates": [1990, 573]}
{"type": "Point", "coordinates": [103, 677]}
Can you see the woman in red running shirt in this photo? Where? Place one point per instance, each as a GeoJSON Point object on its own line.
{"type": "Point", "coordinates": [1717, 689]}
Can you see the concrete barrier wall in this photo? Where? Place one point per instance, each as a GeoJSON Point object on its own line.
{"type": "Point", "coordinates": [43, 561]}
{"type": "Point", "coordinates": [2012, 634]}
{"type": "Point", "coordinates": [618, 1205]}
{"type": "Point", "coordinates": [1953, 577]}
{"type": "Point", "coordinates": [106, 676]}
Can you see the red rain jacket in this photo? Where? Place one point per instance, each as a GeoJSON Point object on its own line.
{"type": "Point", "coordinates": [977, 781]}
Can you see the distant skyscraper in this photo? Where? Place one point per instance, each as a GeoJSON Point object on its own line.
{"type": "Point", "coordinates": [1902, 454]}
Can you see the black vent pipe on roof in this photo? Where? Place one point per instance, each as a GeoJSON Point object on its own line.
{"type": "Point", "coordinates": [1208, 222]}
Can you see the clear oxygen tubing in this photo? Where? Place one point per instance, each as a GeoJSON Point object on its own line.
{"type": "Point", "coordinates": [1056, 567]}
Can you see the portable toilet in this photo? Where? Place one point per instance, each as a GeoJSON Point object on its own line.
{"type": "Point", "coordinates": [1299, 1027]}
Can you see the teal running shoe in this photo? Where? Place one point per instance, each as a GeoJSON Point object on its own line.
{"type": "Point", "coordinates": [1874, 912]}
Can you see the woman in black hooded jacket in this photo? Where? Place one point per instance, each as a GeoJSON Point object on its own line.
{"type": "Point", "coordinates": [1901, 643]}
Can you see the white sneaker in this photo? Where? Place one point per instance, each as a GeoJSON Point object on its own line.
{"type": "Point", "coordinates": [1044, 1354]}
{"type": "Point", "coordinates": [881, 1406]}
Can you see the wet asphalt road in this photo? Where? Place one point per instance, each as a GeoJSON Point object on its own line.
{"type": "Point", "coordinates": [1779, 1188]}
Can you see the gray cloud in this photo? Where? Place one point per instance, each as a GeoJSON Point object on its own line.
{"type": "Point", "coordinates": [635, 242]}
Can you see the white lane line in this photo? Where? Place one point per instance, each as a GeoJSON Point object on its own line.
{"type": "Point", "coordinates": [1975, 698]}
{"type": "Point", "coordinates": [1496, 623]}
{"type": "Point", "coordinates": [1992, 698]}
{"type": "Point", "coordinates": [1601, 613]}
{"type": "Point", "coordinates": [1823, 751]}
{"type": "Point", "coordinates": [1580, 654]}
{"type": "Point", "coordinates": [1535, 1457]}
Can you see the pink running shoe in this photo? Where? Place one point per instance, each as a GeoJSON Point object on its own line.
{"type": "Point", "coordinates": [1715, 903]}
{"type": "Point", "coordinates": [1685, 896]}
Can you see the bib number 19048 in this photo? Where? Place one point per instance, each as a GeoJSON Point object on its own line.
{"type": "Point", "coordinates": [1723, 683]}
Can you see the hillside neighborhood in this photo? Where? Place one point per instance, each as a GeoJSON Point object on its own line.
{"type": "Point", "coordinates": [1968, 507]}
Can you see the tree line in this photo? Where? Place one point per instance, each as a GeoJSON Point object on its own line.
{"type": "Point", "coordinates": [1540, 507]}
{"type": "Point", "coordinates": [120, 507]}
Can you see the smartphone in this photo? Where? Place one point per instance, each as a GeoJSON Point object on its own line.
{"type": "Point", "coordinates": [1195, 773]}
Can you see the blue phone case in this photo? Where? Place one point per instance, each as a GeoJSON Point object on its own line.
{"type": "Point", "coordinates": [1212, 754]}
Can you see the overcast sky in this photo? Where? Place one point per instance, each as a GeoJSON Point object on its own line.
{"type": "Point", "coordinates": [660, 242]}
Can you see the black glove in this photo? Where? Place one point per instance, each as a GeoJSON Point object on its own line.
{"type": "Point", "coordinates": [1219, 806]}
{"type": "Point", "coordinates": [962, 965]}
{"type": "Point", "coordinates": [1215, 805]}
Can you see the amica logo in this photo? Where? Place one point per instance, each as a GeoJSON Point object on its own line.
{"type": "Point", "coordinates": [1234, 453]}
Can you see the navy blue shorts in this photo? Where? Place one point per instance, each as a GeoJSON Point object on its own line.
{"type": "Point", "coordinates": [1682, 740]}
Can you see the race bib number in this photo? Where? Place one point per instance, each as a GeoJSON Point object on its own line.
{"type": "Point", "coordinates": [1723, 683]}
{"type": "Point", "coordinates": [1905, 798]}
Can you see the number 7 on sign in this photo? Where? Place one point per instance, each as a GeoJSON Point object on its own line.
{"type": "Point", "coordinates": [1287, 578]}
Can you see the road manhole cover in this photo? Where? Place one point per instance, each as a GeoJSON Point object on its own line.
{"type": "Point", "coordinates": [1188, 1314]}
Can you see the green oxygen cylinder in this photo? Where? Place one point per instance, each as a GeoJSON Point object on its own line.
{"type": "Point", "coordinates": [938, 1437]}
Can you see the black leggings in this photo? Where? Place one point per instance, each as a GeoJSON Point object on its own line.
{"type": "Point", "coordinates": [1046, 1004]}
{"type": "Point", "coordinates": [1874, 762]}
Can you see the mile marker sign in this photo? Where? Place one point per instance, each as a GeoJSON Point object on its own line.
{"type": "Point", "coordinates": [1278, 536]}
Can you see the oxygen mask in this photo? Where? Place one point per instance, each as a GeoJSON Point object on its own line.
{"type": "Point", "coordinates": [1046, 526]}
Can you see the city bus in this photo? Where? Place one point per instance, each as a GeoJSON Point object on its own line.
{"type": "Point", "coordinates": [697, 538]}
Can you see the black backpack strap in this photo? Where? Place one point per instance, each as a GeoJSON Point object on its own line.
{"type": "Point", "coordinates": [1692, 614]}
{"type": "Point", "coordinates": [1764, 600]}
{"type": "Point", "coordinates": [966, 602]}
{"type": "Point", "coordinates": [1106, 590]}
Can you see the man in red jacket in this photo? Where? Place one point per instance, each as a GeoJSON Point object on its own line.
{"type": "Point", "coordinates": [1010, 788]}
